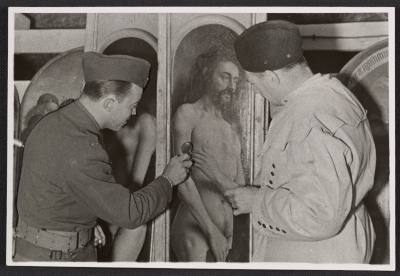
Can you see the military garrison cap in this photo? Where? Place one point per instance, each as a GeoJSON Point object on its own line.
{"type": "Point", "coordinates": [269, 45]}
{"type": "Point", "coordinates": [98, 67]}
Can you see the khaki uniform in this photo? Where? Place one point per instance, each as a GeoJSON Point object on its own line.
{"type": "Point", "coordinates": [318, 164]}
{"type": "Point", "coordinates": [67, 183]}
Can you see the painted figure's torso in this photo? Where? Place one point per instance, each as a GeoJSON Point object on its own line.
{"type": "Point", "coordinates": [217, 137]}
{"type": "Point", "coordinates": [121, 147]}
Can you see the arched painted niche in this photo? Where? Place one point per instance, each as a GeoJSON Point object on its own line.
{"type": "Point", "coordinates": [144, 49]}
{"type": "Point", "coordinates": [367, 76]}
{"type": "Point", "coordinates": [194, 42]}
{"type": "Point", "coordinates": [61, 77]}
{"type": "Point", "coordinates": [204, 20]}
{"type": "Point", "coordinates": [17, 154]}
{"type": "Point", "coordinates": [130, 33]}
{"type": "Point", "coordinates": [134, 43]}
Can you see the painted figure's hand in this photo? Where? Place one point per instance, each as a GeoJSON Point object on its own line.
{"type": "Point", "coordinates": [99, 237]}
{"type": "Point", "coordinates": [241, 199]}
{"type": "Point", "coordinates": [178, 168]}
{"type": "Point", "coordinates": [204, 161]}
{"type": "Point", "coordinates": [218, 245]}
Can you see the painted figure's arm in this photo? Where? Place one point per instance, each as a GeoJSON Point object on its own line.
{"type": "Point", "coordinates": [205, 161]}
{"type": "Point", "coordinates": [147, 145]}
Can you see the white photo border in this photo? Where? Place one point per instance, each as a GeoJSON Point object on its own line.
{"type": "Point", "coordinates": [261, 9]}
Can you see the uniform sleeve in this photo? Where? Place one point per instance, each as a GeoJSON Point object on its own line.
{"type": "Point", "coordinates": [91, 183]}
{"type": "Point", "coordinates": [317, 197]}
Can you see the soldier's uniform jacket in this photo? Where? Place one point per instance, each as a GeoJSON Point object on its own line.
{"type": "Point", "coordinates": [66, 180]}
{"type": "Point", "coordinates": [318, 164]}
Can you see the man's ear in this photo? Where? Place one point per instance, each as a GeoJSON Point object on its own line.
{"type": "Point", "coordinates": [273, 78]}
{"type": "Point", "coordinates": [109, 103]}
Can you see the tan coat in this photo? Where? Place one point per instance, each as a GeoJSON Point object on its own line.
{"type": "Point", "coordinates": [318, 164]}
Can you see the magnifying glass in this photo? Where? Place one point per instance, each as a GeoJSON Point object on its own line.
{"type": "Point", "coordinates": [187, 148]}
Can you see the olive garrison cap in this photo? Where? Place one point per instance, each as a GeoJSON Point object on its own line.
{"type": "Point", "coordinates": [269, 45]}
{"type": "Point", "coordinates": [98, 67]}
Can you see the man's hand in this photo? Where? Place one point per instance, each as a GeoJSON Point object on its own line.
{"type": "Point", "coordinates": [99, 237]}
{"type": "Point", "coordinates": [206, 163]}
{"type": "Point", "coordinates": [218, 244]}
{"type": "Point", "coordinates": [178, 168]}
{"type": "Point", "coordinates": [241, 199]}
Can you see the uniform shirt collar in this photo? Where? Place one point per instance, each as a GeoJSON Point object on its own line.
{"type": "Point", "coordinates": [93, 121]}
{"type": "Point", "coordinates": [311, 81]}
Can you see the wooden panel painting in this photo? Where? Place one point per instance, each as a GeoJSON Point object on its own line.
{"type": "Point", "coordinates": [187, 88]}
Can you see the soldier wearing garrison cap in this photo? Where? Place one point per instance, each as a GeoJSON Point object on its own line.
{"type": "Point", "coordinates": [318, 159]}
{"type": "Point", "coordinates": [66, 181]}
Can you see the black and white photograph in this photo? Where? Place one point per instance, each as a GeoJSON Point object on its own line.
{"type": "Point", "coordinates": [201, 137]}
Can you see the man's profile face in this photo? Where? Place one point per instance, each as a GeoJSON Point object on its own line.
{"type": "Point", "coordinates": [124, 109]}
{"type": "Point", "coordinates": [264, 86]}
{"type": "Point", "coordinates": [223, 83]}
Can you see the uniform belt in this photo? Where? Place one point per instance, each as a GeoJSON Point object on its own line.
{"type": "Point", "coordinates": [54, 240]}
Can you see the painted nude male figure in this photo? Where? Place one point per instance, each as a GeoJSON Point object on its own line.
{"type": "Point", "coordinates": [130, 150]}
{"type": "Point", "coordinates": [204, 219]}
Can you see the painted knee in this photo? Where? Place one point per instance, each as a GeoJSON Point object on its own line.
{"type": "Point", "coordinates": [190, 244]}
{"type": "Point", "coordinates": [184, 247]}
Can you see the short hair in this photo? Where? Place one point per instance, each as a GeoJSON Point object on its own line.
{"type": "Point", "coordinates": [97, 89]}
{"type": "Point", "coordinates": [210, 60]}
{"type": "Point", "coordinates": [302, 62]}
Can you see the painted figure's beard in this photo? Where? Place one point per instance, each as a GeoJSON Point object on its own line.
{"type": "Point", "coordinates": [223, 98]}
